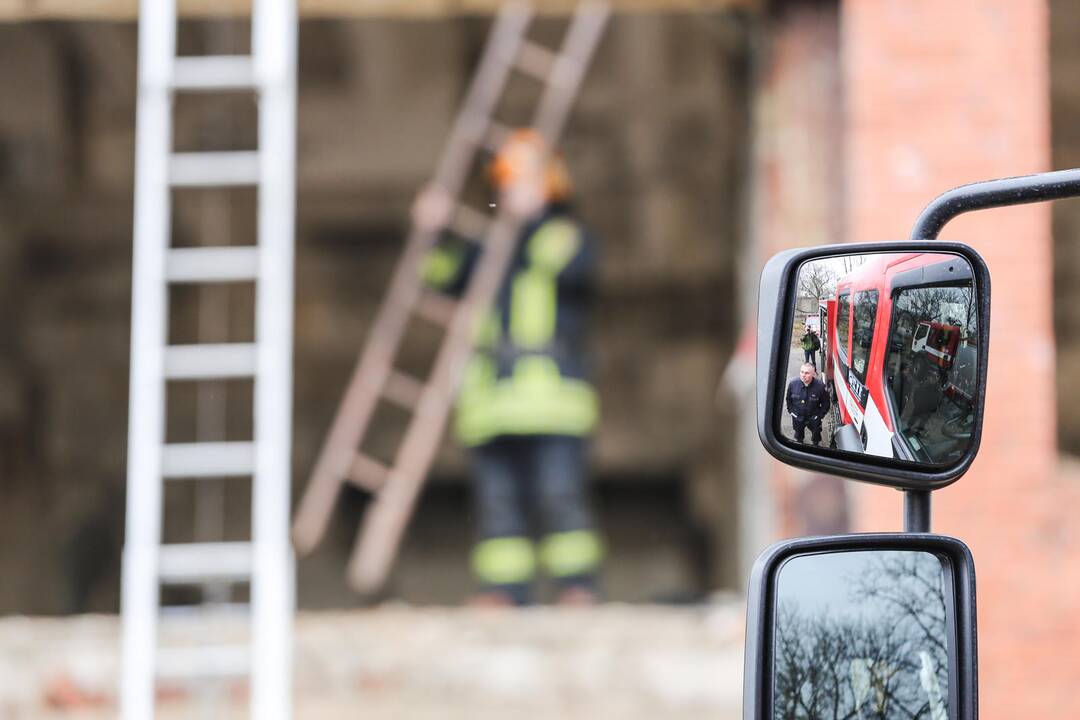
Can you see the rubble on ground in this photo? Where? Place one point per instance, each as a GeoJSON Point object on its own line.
{"type": "Point", "coordinates": [624, 661]}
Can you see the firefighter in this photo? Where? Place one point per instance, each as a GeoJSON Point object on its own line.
{"type": "Point", "coordinates": [526, 408]}
{"type": "Point", "coordinates": [807, 403]}
{"type": "Point", "coordinates": [810, 345]}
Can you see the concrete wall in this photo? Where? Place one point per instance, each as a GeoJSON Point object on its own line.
{"type": "Point", "coordinates": [657, 145]}
{"type": "Point", "coordinates": [611, 662]}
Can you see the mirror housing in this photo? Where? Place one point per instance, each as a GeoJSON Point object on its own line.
{"type": "Point", "coordinates": [958, 626]}
{"type": "Point", "coordinates": [776, 319]}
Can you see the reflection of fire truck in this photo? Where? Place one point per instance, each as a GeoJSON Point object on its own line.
{"type": "Point", "coordinates": [826, 311]}
{"type": "Point", "coordinates": [899, 356]}
{"type": "Point", "coordinates": [938, 341]}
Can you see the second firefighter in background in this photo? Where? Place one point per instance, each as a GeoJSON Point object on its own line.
{"type": "Point", "coordinates": [526, 407]}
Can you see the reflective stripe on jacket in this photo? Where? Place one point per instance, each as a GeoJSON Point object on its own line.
{"type": "Point", "coordinates": [510, 560]}
{"type": "Point", "coordinates": [528, 374]}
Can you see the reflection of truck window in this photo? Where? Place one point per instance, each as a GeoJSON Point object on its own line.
{"type": "Point", "coordinates": [920, 337]}
{"type": "Point", "coordinates": [931, 377]}
{"type": "Point", "coordinates": [842, 324]}
{"type": "Point", "coordinates": [904, 334]}
{"type": "Point", "coordinates": [863, 312]}
{"type": "Point", "coordinates": [826, 364]}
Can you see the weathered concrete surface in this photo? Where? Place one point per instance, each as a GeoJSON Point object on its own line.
{"type": "Point", "coordinates": [617, 661]}
{"type": "Point", "coordinates": [656, 145]}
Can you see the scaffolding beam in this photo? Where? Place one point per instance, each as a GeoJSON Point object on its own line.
{"type": "Point", "coordinates": [120, 10]}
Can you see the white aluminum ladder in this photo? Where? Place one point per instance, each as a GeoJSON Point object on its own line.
{"type": "Point", "coordinates": [266, 562]}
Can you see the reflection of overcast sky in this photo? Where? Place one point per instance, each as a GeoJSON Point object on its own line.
{"type": "Point", "coordinates": [838, 266]}
{"type": "Point", "coordinates": [822, 584]}
{"type": "Point", "coordinates": [835, 264]}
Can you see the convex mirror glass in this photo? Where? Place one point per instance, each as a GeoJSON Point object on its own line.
{"type": "Point", "coordinates": [861, 634]}
{"type": "Point", "coordinates": [883, 357]}
{"type": "Point", "coordinates": [874, 626]}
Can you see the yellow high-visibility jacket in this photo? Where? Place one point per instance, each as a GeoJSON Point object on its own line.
{"type": "Point", "coordinates": [528, 375]}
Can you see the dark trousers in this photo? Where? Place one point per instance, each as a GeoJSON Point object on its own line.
{"type": "Point", "coordinates": [531, 482]}
{"type": "Point", "coordinates": [799, 424]}
{"type": "Point", "coordinates": [809, 355]}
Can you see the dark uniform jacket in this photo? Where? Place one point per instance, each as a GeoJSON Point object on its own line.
{"type": "Point", "coordinates": [529, 373]}
{"type": "Point", "coordinates": [806, 401]}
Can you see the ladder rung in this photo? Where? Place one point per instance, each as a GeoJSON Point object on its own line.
{"type": "Point", "coordinates": [212, 264]}
{"type": "Point", "coordinates": [191, 362]}
{"type": "Point", "coordinates": [197, 662]}
{"type": "Point", "coordinates": [208, 459]}
{"type": "Point", "coordinates": [470, 224]}
{"type": "Point", "coordinates": [436, 308]}
{"type": "Point", "coordinates": [214, 72]}
{"type": "Point", "coordinates": [214, 169]}
{"type": "Point", "coordinates": [368, 473]}
{"type": "Point", "coordinates": [199, 562]}
{"type": "Point", "coordinates": [206, 611]}
{"type": "Point", "coordinates": [403, 390]}
{"type": "Point", "coordinates": [536, 60]}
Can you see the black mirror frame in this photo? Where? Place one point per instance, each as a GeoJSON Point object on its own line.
{"type": "Point", "coordinates": [778, 280]}
{"type": "Point", "coordinates": [760, 602]}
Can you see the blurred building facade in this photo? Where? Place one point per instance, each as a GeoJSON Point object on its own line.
{"type": "Point", "coordinates": [702, 143]}
{"type": "Point", "coordinates": [657, 145]}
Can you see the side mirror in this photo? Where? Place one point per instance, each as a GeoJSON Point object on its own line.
{"type": "Point", "coordinates": [872, 360]}
{"type": "Point", "coordinates": [874, 627]}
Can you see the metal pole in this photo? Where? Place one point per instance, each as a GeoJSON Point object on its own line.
{"type": "Point", "coordinates": [966, 198]}
{"type": "Point", "coordinates": [146, 401]}
{"type": "Point", "coordinates": [916, 511]}
{"type": "Point", "coordinates": [274, 43]}
{"type": "Point", "coordinates": [994, 193]}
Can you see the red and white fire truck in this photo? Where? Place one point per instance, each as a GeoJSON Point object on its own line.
{"type": "Point", "coordinates": [900, 356]}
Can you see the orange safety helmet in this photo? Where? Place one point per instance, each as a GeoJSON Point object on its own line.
{"type": "Point", "coordinates": [527, 151]}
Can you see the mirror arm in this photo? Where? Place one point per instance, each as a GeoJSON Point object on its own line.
{"type": "Point", "coordinates": [916, 511]}
{"type": "Point", "coordinates": [994, 193]}
{"type": "Point", "coordinates": [966, 198]}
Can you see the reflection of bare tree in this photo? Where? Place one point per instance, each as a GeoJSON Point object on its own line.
{"type": "Point", "coordinates": [808, 679]}
{"type": "Point", "coordinates": [817, 281]}
{"type": "Point", "coordinates": [852, 262]}
{"type": "Point", "coordinates": [890, 662]}
{"type": "Point", "coordinates": [951, 305]}
{"type": "Point", "coordinates": [910, 584]}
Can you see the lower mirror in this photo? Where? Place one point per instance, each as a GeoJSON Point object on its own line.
{"type": "Point", "coordinates": [865, 629]}
{"type": "Point", "coordinates": [861, 634]}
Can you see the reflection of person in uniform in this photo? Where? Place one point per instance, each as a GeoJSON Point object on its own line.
{"type": "Point", "coordinates": [807, 403]}
{"type": "Point", "coordinates": [810, 345]}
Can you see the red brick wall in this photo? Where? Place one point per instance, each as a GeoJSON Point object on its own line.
{"type": "Point", "coordinates": [939, 94]}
